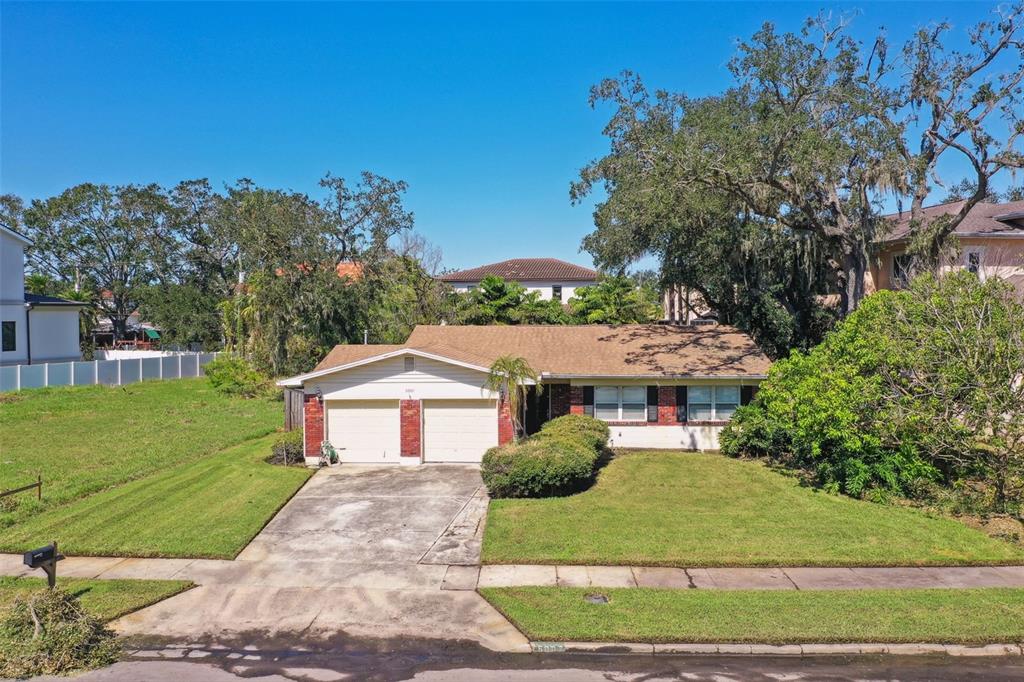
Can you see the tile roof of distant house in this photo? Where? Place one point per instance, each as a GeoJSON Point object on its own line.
{"type": "Point", "coordinates": [637, 350]}
{"type": "Point", "coordinates": [984, 219]}
{"type": "Point", "coordinates": [526, 270]}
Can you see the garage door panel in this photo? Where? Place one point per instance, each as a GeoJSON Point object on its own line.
{"type": "Point", "coordinates": [365, 431]}
{"type": "Point", "coordinates": [459, 430]}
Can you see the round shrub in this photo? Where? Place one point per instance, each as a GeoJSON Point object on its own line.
{"type": "Point", "coordinates": [559, 460]}
{"type": "Point", "coordinates": [47, 632]}
{"type": "Point", "coordinates": [231, 374]}
{"type": "Point", "coordinates": [287, 449]}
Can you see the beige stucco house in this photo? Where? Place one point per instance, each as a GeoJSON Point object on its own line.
{"type": "Point", "coordinates": [991, 244]}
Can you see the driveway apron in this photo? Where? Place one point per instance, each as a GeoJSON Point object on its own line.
{"type": "Point", "coordinates": [361, 550]}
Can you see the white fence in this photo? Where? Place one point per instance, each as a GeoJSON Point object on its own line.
{"type": "Point", "coordinates": [107, 372]}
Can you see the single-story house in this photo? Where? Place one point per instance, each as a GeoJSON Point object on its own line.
{"type": "Point", "coordinates": [553, 279]}
{"type": "Point", "coordinates": [657, 386]}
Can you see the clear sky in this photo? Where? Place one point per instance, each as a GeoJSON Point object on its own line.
{"type": "Point", "coordinates": [481, 108]}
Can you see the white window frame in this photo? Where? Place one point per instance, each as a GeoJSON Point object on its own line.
{"type": "Point", "coordinates": [976, 251]}
{"type": "Point", "coordinates": [716, 400]}
{"type": "Point", "coordinates": [556, 292]}
{"type": "Point", "coordinates": [619, 394]}
{"type": "Point", "coordinates": [900, 276]}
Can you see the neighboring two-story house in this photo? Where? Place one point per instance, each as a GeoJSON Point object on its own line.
{"type": "Point", "coordinates": [553, 278]}
{"type": "Point", "coordinates": [991, 241]}
{"type": "Point", "coordinates": [33, 328]}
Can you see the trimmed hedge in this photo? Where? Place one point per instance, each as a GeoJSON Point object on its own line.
{"type": "Point", "coordinates": [559, 460]}
{"type": "Point", "coordinates": [287, 449]}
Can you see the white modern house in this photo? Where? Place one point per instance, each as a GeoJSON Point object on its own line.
{"type": "Point", "coordinates": [553, 278]}
{"type": "Point", "coordinates": [33, 328]}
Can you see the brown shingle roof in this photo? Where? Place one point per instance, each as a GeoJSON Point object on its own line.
{"type": "Point", "coordinates": [980, 220]}
{"type": "Point", "coordinates": [586, 350]}
{"type": "Point", "coordinates": [526, 270]}
{"type": "Point", "coordinates": [344, 354]}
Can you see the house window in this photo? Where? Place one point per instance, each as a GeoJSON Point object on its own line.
{"type": "Point", "coordinates": [620, 403]}
{"type": "Point", "coordinates": [712, 403]}
{"type": "Point", "coordinates": [556, 292]}
{"type": "Point", "coordinates": [7, 331]}
{"type": "Point", "coordinates": [972, 261]}
{"type": "Point", "coordinates": [902, 268]}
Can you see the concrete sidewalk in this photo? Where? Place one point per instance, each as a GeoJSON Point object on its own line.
{"type": "Point", "coordinates": [803, 578]}
{"type": "Point", "coordinates": [423, 576]}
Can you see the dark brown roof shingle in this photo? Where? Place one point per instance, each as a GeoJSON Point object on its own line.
{"type": "Point", "coordinates": [526, 270]}
{"type": "Point", "coordinates": [649, 350]}
{"type": "Point", "coordinates": [981, 220]}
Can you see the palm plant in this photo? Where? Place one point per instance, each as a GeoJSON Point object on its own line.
{"type": "Point", "coordinates": [509, 377]}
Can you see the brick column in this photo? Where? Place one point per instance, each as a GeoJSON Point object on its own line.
{"type": "Point", "coordinates": [576, 399]}
{"type": "Point", "coordinates": [411, 432]}
{"type": "Point", "coordinates": [505, 428]}
{"type": "Point", "coordinates": [559, 399]}
{"type": "Point", "coordinates": [667, 405]}
{"type": "Point", "coordinates": [313, 424]}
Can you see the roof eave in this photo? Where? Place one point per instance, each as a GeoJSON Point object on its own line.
{"type": "Point", "coordinates": [546, 375]}
{"type": "Point", "coordinates": [301, 379]}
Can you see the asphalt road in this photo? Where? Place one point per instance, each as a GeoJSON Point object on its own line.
{"type": "Point", "coordinates": [434, 661]}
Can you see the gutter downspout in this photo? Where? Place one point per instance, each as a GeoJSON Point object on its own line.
{"type": "Point", "coordinates": [28, 331]}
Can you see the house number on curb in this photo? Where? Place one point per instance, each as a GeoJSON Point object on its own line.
{"type": "Point", "coordinates": [548, 647]}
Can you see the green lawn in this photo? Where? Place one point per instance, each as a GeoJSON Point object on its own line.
{"type": "Point", "coordinates": [687, 509]}
{"type": "Point", "coordinates": [561, 614]}
{"type": "Point", "coordinates": [163, 468]}
{"type": "Point", "coordinates": [88, 438]}
{"type": "Point", "coordinates": [105, 599]}
{"type": "Point", "coordinates": [207, 508]}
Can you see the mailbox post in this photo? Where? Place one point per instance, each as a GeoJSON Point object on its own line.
{"type": "Point", "coordinates": [45, 558]}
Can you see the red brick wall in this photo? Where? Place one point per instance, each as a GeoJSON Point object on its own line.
{"type": "Point", "coordinates": [505, 428]}
{"type": "Point", "coordinates": [667, 405]}
{"type": "Point", "coordinates": [313, 423]}
{"type": "Point", "coordinates": [559, 399]}
{"type": "Point", "coordinates": [411, 433]}
{"type": "Point", "coordinates": [576, 399]}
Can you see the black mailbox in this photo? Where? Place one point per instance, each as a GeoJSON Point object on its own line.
{"type": "Point", "coordinates": [45, 558]}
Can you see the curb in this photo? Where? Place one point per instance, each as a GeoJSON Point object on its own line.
{"type": "Point", "coordinates": [683, 648]}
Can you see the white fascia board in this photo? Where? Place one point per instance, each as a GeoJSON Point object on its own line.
{"type": "Point", "coordinates": [16, 235]}
{"type": "Point", "coordinates": [301, 379]}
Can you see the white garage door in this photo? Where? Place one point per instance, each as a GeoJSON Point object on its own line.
{"type": "Point", "coordinates": [365, 430]}
{"type": "Point", "coordinates": [458, 430]}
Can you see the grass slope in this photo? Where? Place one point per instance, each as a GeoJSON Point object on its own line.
{"type": "Point", "coordinates": [777, 617]}
{"type": "Point", "coordinates": [105, 599]}
{"type": "Point", "coordinates": [688, 509]}
{"type": "Point", "coordinates": [207, 508]}
{"type": "Point", "coordinates": [89, 438]}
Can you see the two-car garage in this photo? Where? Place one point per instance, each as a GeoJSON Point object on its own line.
{"type": "Point", "coordinates": [370, 431]}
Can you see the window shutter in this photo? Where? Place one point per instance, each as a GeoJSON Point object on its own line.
{"type": "Point", "coordinates": [747, 394]}
{"type": "Point", "coordinates": [681, 404]}
{"type": "Point", "coordinates": [652, 404]}
{"type": "Point", "coordinates": [588, 401]}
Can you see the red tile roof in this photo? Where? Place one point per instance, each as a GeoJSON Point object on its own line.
{"type": "Point", "coordinates": [984, 219]}
{"type": "Point", "coordinates": [526, 270]}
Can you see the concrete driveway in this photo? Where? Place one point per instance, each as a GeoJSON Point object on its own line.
{"type": "Point", "coordinates": [379, 552]}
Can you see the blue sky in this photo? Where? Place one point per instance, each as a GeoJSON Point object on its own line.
{"type": "Point", "coordinates": [481, 108]}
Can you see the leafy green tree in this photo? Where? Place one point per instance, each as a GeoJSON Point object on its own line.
{"type": "Point", "coordinates": [915, 387]}
{"type": "Point", "coordinates": [102, 238]}
{"type": "Point", "coordinates": [496, 301]}
{"type": "Point", "coordinates": [510, 376]}
{"type": "Point", "coordinates": [958, 387]}
{"type": "Point", "coordinates": [615, 300]}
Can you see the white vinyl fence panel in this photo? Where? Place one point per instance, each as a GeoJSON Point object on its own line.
{"type": "Point", "coordinates": [107, 372]}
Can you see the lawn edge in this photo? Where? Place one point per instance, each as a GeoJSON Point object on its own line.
{"type": "Point", "coordinates": [802, 649]}
{"type": "Point", "coordinates": [702, 645]}
{"type": "Point", "coordinates": [271, 517]}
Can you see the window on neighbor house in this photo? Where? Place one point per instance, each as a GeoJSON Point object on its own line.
{"type": "Point", "coordinates": [556, 292]}
{"type": "Point", "coordinates": [902, 266]}
{"type": "Point", "coordinates": [620, 403]}
{"type": "Point", "coordinates": [712, 403]}
{"type": "Point", "coordinates": [7, 331]}
{"type": "Point", "coordinates": [972, 261]}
